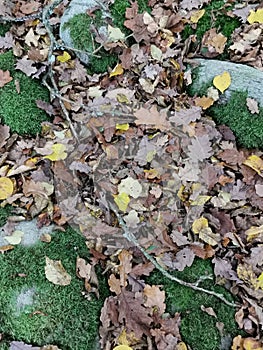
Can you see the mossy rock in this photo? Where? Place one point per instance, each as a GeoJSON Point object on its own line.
{"type": "Point", "coordinates": [231, 109]}
{"type": "Point", "coordinates": [35, 311]}
{"type": "Point", "coordinates": [19, 110]}
{"type": "Point", "coordinates": [76, 30]}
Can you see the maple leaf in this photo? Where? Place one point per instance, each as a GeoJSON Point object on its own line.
{"type": "Point", "coordinates": [5, 77]}
{"type": "Point", "coordinates": [200, 148]}
{"type": "Point", "coordinates": [26, 66]}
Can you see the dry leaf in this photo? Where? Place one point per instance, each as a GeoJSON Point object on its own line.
{"type": "Point", "coordinates": [196, 15]}
{"type": "Point", "coordinates": [252, 105]}
{"type": "Point", "coordinates": [5, 77]}
{"type": "Point", "coordinates": [56, 273]}
{"type": "Point", "coordinates": [6, 187]}
{"type": "Point", "coordinates": [58, 152]}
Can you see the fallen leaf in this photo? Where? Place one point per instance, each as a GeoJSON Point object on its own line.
{"type": "Point", "coordinates": [6, 187]}
{"type": "Point", "coordinates": [115, 34]}
{"type": "Point", "coordinates": [26, 66]}
{"type": "Point", "coordinates": [156, 53]}
{"type": "Point", "coordinates": [56, 273]}
{"type": "Point", "coordinates": [15, 237]}
{"type": "Point", "coordinates": [152, 117]}
{"type": "Point", "coordinates": [122, 200]}
{"type": "Point", "coordinates": [64, 58]}
{"type": "Point", "coordinates": [122, 347]}
{"type": "Point", "coordinates": [131, 187]}
{"type": "Point", "coordinates": [117, 70]}
{"type": "Point", "coordinates": [252, 105]}
{"type": "Point", "coordinates": [222, 81]}
{"type": "Point", "coordinates": [199, 224]}
{"type": "Point", "coordinates": [196, 15]}
{"type": "Point", "coordinates": [154, 298]}
{"type": "Point", "coordinates": [255, 16]}
{"type": "Point", "coordinates": [204, 102]}
{"type": "Point", "coordinates": [255, 163]}
{"type": "Point", "coordinates": [29, 7]}
{"type": "Point", "coordinates": [122, 127]}
{"type": "Point", "coordinates": [5, 77]}
{"type": "Point", "coordinates": [58, 152]}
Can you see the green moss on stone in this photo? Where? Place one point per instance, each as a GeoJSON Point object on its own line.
{"type": "Point", "coordinates": [247, 127]}
{"type": "Point", "coordinates": [19, 110]}
{"type": "Point", "coordinates": [198, 329]}
{"type": "Point", "coordinates": [4, 27]}
{"type": "Point", "coordinates": [4, 214]}
{"type": "Point", "coordinates": [59, 315]}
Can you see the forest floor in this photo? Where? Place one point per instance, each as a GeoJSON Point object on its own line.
{"type": "Point", "coordinates": [130, 200]}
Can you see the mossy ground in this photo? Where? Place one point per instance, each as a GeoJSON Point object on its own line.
{"type": "Point", "coordinates": [19, 110]}
{"type": "Point", "coordinates": [247, 127]}
{"type": "Point", "coordinates": [214, 17]}
{"type": "Point", "coordinates": [60, 314]}
{"type": "Point", "coordinates": [84, 40]}
{"type": "Point", "coordinates": [198, 329]}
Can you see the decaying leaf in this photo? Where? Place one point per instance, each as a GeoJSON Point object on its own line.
{"type": "Point", "coordinates": [130, 186]}
{"type": "Point", "coordinates": [56, 273]}
{"type": "Point", "coordinates": [15, 238]}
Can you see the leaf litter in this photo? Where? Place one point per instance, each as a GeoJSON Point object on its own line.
{"type": "Point", "coordinates": [182, 186]}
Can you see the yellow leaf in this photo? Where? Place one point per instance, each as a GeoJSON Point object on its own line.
{"type": "Point", "coordinates": [199, 224]}
{"type": "Point", "coordinates": [252, 344]}
{"type": "Point", "coordinates": [56, 273]}
{"type": "Point", "coordinates": [200, 200]}
{"type": "Point", "coordinates": [255, 16]}
{"type": "Point", "coordinates": [64, 58]}
{"type": "Point", "coordinates": [222, 82]}
{"type": "Point", "coordinates": [123, 127]}
{"type": "Point", "coordinates": [117, 70]}
{"type": "Point", "coordinates": [260, 281]}
{"type": "Point", "coordinates": [122, 200]}
{"type": "Point", "coordinates": [181, 346]}
{"type": "Point", "coordinates": [6, 187]}
{"type": "Point", "coordinates": [255, 163]}
{"type": "Point", "coordinates": [122, 347]}
{"type": "Point", "coordinates": [58, 152]}
{"type": "Point", "coordinates": [156, 53]}
{"type": "Point", "coordinates": [196, 15]}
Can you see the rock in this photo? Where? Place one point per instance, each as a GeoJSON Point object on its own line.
{"type": "Point", "coordinates": [76, 7]}
{"type": "Point", "coordinates": [243, 78]}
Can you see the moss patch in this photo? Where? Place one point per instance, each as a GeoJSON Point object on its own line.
{"type": "Point", "coordinates": [198, 329]}
{"type": "Point", "coordinates": [247, 127]}
{"type": "Point", "coordinates": [34, 310]}
{"type": "Point", "coordinates": [19, 110]}
{"type": "Point", "coordinates": [213, 18]}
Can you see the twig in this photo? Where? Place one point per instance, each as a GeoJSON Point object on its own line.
{"type": "Point", "coordinates": [131, 238]}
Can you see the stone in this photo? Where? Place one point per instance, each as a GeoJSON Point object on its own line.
{"type": "Point", "coordinates": [243, 78]}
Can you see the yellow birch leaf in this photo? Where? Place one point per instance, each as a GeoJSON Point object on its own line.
{"type": "Point", "coordinates": [122, 347]}
{"type": "Point", "coordinates": [56, 273]}
{"type": "Point", "coordinates": [64, 58]}
{"type": "Point", "coordinates": [200, 200]}
{"type": "Point", "coordinates": [196, 15]}
{"type": "Point", "coordinates": [181, 346]}
{"type": "Point", "coordinates": [255, 163]}
{"type": "Point", "coordinates": [199, 224]}
{"type": "Point", "coordinates": [6, 187]}
{"type": "Point", "coordinates": [117, 70]}
{"type": "Point", "coordinates": [122, 200]}
{"type": "Point", "coordinates": [123, 127]}
{"type": "Point", "coordinates": [252, 344]}
{"type": "Point", "coordinates": [255, 16]}
{"type": "Point", "coordinates": [222, 81]}
{"type": "Point", "coordinates": [58, 152]}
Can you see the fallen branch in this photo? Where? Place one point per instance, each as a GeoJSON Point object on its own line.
{"type": "Point", "coordinates": [131, 238]}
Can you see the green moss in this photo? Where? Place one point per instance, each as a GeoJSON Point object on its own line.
{"type": "Point", "coordinates": [4, 27]}
{"type": "Point", "coordinates": [198, 329]}
{"type": "Point", "coordinates": [19, 110]}
{"type": "Point", "coordinates": [4, 214]}
{"type": "Point", "coordinates": [59, 315]}
{"type": "Point", "coordinates": [84, 40]}
{"type": "Point", "coordinates": [247, 127]}
{"type": "Point", "coordinates": [213, 18]}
